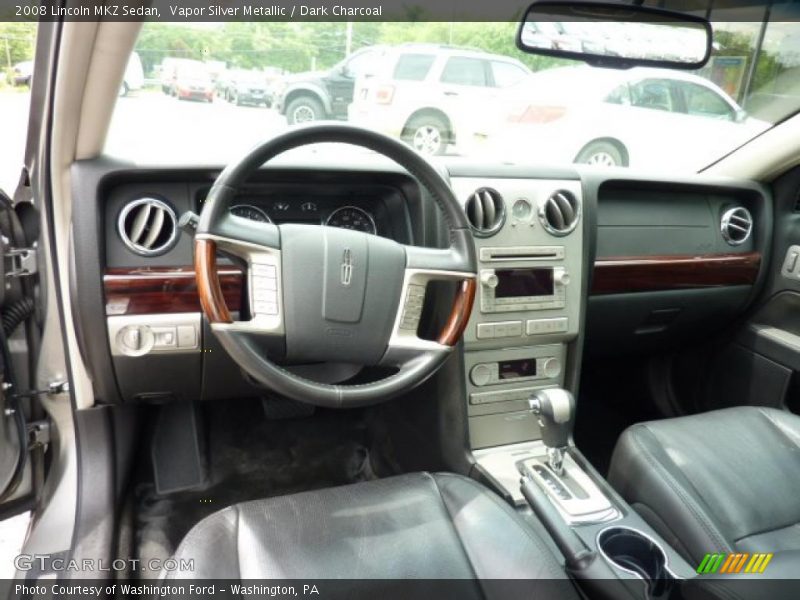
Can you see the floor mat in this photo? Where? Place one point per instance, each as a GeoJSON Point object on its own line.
{"type": "Point", "coordinates": [251, 457]}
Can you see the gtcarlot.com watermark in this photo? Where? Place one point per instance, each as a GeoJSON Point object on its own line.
{"type": "Point", "coordinates": [48, 564]}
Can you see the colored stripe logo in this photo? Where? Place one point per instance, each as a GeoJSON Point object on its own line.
{"type": "Point", "coordinates": [740, 562]}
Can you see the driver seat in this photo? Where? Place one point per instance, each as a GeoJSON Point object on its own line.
{"type": "Point", "coordinates": [420, 526]}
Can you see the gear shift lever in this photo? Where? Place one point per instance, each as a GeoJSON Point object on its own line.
{"type": "Point", "coordinates": [556, 411]}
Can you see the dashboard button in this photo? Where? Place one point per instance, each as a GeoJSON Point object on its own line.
{"type": "Point", "coordinates": [485, 331]}
{"type": "Point", "coordinates": [547, 326]}
{"type": "Point", "coordinates": [165, 337]}
{"type": "Point", "coordinates": [505, 329]}
{"type": "Point", "coordinates": [187, 336]}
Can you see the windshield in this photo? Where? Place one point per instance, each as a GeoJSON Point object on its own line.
{"type": "Point", "coordinates": [462, 90]}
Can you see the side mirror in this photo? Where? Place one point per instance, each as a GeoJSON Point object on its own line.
{"type": "Point", "coordinates": [740, 116]}
{"type": "Point", "coordinates": [606, 34]}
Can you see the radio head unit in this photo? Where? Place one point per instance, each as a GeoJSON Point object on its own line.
{"type": "Point", "coordinates": [519, 289]}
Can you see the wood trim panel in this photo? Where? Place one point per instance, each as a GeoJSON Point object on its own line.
{"type": "Point", "coordinates": [208, 286]}
{"type": "Point", "coordinates": [138, 291]}
{"type": "Point", "coordinates": [617, 275]}
{"type": "Point", "coordinates": [459, 314]}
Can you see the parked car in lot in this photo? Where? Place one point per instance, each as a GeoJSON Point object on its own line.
{"type": "Point", "coordinates": [192, 81]}
{"type": "Point", "coordinates": [168, 71]}
{"type": "Point", "coordinates": [22, 73]}
{"type": "Point", "coordinates": [637, 117]}
{"type": "Point", "coordinates": [316, 95]}
{"type": "Point", "coordinates": [242, 86]}
{"type": "Point", "coordinates": [134, 76]}
{"type": "Point", "coordinates": [433, 96]}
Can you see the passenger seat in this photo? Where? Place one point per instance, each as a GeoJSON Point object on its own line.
{"type": "Point", "coordinates": [722, 481]}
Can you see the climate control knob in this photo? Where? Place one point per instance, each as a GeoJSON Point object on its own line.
{"type": "Point", "coordinates": [489, 278]}
{"type": "Point", "coordinates": [480, 375]}
{"type": "Point", "coordinates": [552, 368]}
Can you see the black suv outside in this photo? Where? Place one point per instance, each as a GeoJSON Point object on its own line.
{"type": "Point", "coordinates": [316, 95]}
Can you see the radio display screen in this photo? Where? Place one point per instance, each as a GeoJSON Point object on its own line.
{"type": "Point", "coordinates": [512, 369]}
{"type": "Point", "coordinates": [517, 283]}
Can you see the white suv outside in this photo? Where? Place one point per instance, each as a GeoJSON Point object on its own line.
{"type": "Point", "coordinates": [435, 96]}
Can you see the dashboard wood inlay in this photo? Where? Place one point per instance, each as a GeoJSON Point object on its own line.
{"type": "Point", "coordinates": [141, 291]}
{"type": "Point", "coordinates": [618, 275]}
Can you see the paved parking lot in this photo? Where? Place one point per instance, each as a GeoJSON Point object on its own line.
{"type": "Point", "coordinates": [150, 127]}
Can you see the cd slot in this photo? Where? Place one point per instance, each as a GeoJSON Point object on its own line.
{"type": "Point", "coordinates": [522, 253]}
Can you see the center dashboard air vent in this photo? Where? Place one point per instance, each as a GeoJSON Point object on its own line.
{"type": "Point", "coordinates": [486, 211]}
{"type": "Point", "coordinates": [560, 213]}
{"type": "Point", "coordinates": [736, 225]}
{"type": "Point", "coordinates": [148, 226]}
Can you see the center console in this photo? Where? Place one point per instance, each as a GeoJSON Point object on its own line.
{"type": "Point", "coordinates": [530, 245]}
{"type": "Point", "coordinates": [521, 362]}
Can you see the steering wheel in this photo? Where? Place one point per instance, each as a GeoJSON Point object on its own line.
{"type": "Point", "coordinates": [327, 294]}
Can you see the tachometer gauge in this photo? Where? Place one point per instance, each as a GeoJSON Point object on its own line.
{"type": "Point", "coordinates": [246, 211]}
{"type": "Point", "coordinates": [351, 217]}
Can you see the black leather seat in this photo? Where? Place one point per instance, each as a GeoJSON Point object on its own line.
{"type": "Point", "coordinates": [722, 481]}
{"type": "Point", "coordinates": [420, 525]}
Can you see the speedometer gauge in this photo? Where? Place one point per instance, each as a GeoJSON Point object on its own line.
{"type": "Point", "coordinates": [352, 217]}
{"type": "Point", "coordinates": [246, 211]}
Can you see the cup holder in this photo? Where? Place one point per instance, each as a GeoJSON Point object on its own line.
{"type": "Point", "coordinates": [634, 552]}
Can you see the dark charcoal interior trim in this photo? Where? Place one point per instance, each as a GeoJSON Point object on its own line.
{"type": "Point", "coordinates": [624, 274]}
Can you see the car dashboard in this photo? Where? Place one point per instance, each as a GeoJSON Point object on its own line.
{"type": "Point", "coordinates": [570, 263]}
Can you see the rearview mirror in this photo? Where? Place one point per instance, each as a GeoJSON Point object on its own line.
{"type": "Point", "coordinates": [613, 35]}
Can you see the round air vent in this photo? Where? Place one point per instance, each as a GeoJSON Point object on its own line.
{"type": "Point", "coordinates": [736, 225]}
{"type": "Point", "coordinates": [486, 211]}
{"type": "Point", "coordinates": [560, 213]}
{"type": "Point", "coordinates": [148, 226]}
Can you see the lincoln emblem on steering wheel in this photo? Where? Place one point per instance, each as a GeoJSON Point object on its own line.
{"type": "Point", "coordinates": [347, 267]}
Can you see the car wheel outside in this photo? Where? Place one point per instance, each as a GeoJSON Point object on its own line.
{"type": "Point", "coordinates": [602, 154]}
{"type": "Point", "coordinates": [428, 135]}
{"type": "Point", "coordinates": [304, 109]}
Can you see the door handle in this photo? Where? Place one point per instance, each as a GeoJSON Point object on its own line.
{"type": "Point", "coordinates": [451, 93]}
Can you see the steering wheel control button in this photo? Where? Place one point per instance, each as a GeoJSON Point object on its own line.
{"type": "Point", "coordinates": [791, 262]}
{"type": "Point", "coordinates": [264, 283]}
{"type": "Point", "coordinates": [547, 326]}
{"type": "Point", "coordinates": [264, 293]}
{"type": "Point", "coordinates": [265, 271]}
{"type": "Point", "coordinates": [265, 308]}
{"type": "Point", "coordinates": [412, 307]}
{"type": "Point", "coordinates": [552, 368]}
